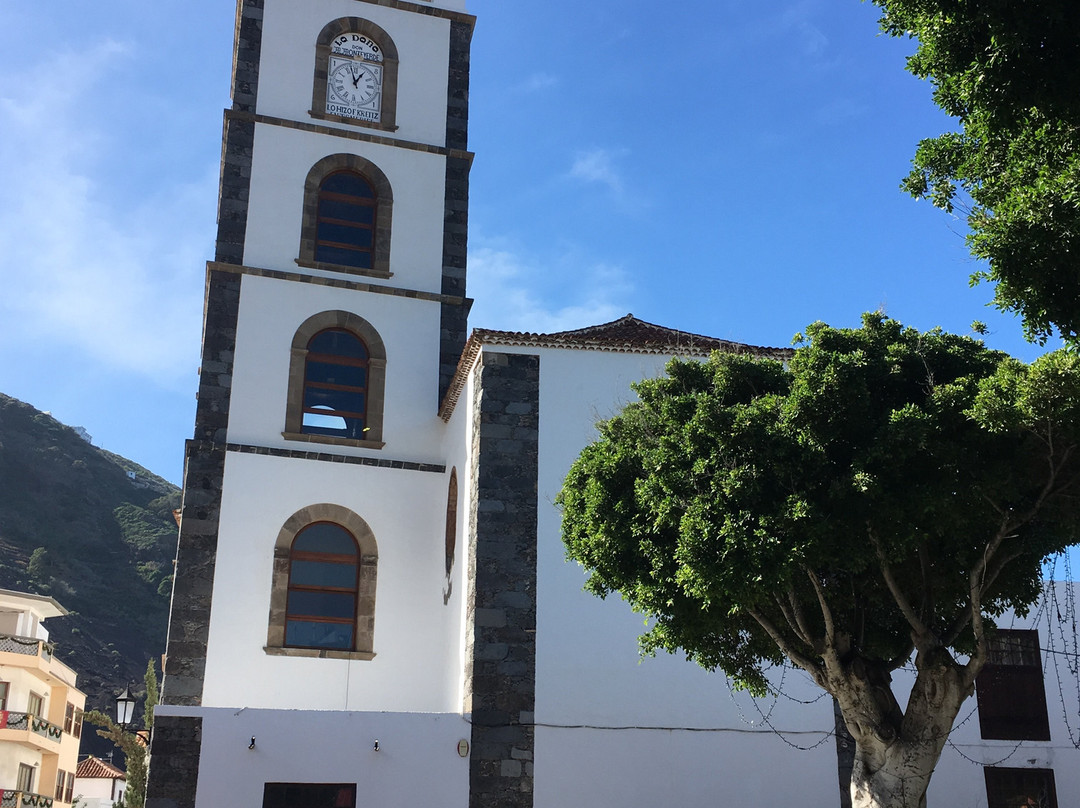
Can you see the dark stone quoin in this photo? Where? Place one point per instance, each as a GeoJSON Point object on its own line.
{"type": "Point", "coordinates": [501, 644]}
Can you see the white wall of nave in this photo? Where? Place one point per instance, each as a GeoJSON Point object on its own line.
{"type": "Point", "coordinates": [588, 672]}
{"type": "Point", "coordinates": [280, 164]}
{"type": "Point", "coordinates": [417, 636]}
{"type": "Point", "coordinates": [286, 72]}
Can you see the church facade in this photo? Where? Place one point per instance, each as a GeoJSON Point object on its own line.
{"type": "Point", "coordinates": [371, 603]}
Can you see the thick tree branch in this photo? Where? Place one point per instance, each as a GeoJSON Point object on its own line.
{"type": "Point", "coordinates": [789, 618]}
{"type": "Point", "coordinates": [826, 612]}
{"type": "Point", "coordinates": [917, 625]}
{"type": "Point", "coordinates": [806, 663]}
{"type": "Point", "coordinates": [902, 657]}
{"type": "Point", "coordinates": [800, 616]}
{"type": "Point", "coordinates": [927, 606]}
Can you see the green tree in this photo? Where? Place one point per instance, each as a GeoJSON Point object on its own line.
{"type": "Point", "coordinates": [132, 743]}
{"type": "Point", "coordinates": [1010, 73]}
{"type": "Point", "coordinates": [151, 683]}
{"type": "Point", "coordinates": [134, 749]}
{"type": "Point", "coordinates": [887, 494]}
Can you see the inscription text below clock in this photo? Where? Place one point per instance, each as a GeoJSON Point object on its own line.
{"type": "Point", "coordinates": [354, 78]}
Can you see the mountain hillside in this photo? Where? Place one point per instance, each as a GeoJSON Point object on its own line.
{"type": "Point", "coordinates": [96, 532]}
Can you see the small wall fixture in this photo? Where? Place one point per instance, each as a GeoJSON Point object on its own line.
{"type": "Point", "coordinates": [376, 746]}
{"type": "Point", "coordinates": [252, 744]}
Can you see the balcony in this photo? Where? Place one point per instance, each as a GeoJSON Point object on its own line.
{"type": "Point", "coordinates": [23, 799]}
{"type": "Point", "coordinates": [29, 730]}
{"type": "Point", "coordinates": [26, 646]}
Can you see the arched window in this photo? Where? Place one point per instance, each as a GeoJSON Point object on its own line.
{"type": "Point", "coordinates": [348, 208]}
{"type": "Point", "coordinates": [345, 227]}
{"type": "Point", "coordinates": [335, 385]}
{"type": "Point", "coordinates": [324, 576]}
{"type": "Point", "coordinates": [322, 598]}
{"type": "Point", "coordinates": [356, 74]}
{"type": "Point", "coordinates": [337, 376]}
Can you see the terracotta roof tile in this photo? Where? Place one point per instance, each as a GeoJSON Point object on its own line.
{"type": "Point", "coordinates": [95, 767]}
{"type": "Point", "coordinates": [626, 335]}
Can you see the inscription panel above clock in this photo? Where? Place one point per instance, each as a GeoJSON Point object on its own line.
{"type": "Point", "coordinates": [354, 83]}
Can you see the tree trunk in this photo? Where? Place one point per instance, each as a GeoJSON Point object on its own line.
{"type": "Point", "coordinates": [896, 752]}
{"type": "Point", "coordinates": [895, 776]}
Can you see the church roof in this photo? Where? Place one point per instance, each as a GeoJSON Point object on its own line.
{"type": "Point", "coordinates": [95, 767]}
{"type": "Point", "coordinates": [631, 335]}
{"type": "Point", "coordinates": [626, 335]}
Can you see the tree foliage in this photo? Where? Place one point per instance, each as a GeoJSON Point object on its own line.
{"type": "Point", "coordinates": [134, 749]}
{"type": "Point", "coordinates": [1010, 72]}
{"type": "Point", "coordinates": [889, 491]}
{"type": "Point", "coordinates": [132, 743]}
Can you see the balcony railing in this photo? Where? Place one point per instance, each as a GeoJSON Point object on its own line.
{"type": "Point", "coordinates": [39, 726]}
{"type": "Point", "coordinates": [24, 799]}
{"type": "Point", "coordinates": [26, 645]}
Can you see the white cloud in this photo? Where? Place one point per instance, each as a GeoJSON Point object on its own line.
{"type": "Point", "coordinates": [598, 165]}
{"type": "Point", "coordinates": [796, 18]}
{"type": "Point", "coordinates": [509, 293]}
{"type": "Point", "coordinates": [110, 282]}
{"type": "Point", "coordinates": [536, 82]}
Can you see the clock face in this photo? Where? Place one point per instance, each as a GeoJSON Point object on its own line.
{"type": "Point", "coordinates": [354, 89]}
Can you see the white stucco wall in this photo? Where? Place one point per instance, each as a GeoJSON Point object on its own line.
{"type": "Point", "coordinates": [281, 161]}
{"type": "Point", "coordinates": [99, 792]}
{"type": "Point", "coordinates": [270, 313]}
{"type": "Point", "coordinates": [286, 72]}
{"type": "Point", "coordinates": [588, 670]}
{"type": "Point", "coordinates": [458, 439]}
{"type": "Point", "coordinates": [417, 763]}
{"type": "Point", "coordinates": [588, 673]}
{"type": "Point", "coordinates": [416, 634]}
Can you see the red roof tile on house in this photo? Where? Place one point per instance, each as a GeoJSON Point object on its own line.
{"type": "Point", "coordinates": [95, 767]}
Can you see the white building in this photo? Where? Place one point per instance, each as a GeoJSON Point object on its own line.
{"type": "Point", "coordinates": [371, 604]}
{"type": "Point", "coordinates": [40, 707]}
{"type": "Point", "coordinates": [99, 784]}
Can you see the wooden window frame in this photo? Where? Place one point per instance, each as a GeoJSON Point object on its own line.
{"type": "Point", "coordinates": [24, 780]}
{"type": "Point", "coordinates": [323, 45]}
{"type": "Point", "coordinates": [1000, 781]}
{"type": "Point", "coordinates": [376, 381]}
{"type": "Point", "coordinates": [1010, 690]}
{"type": "Point", "coordinates": [370, 201]}
{"type": "Point", "coordinates": [69, 791]}
{"type": "Point", "coordinates": [364, 632]}
{"type": "Point", "coordinates": [324, 558]}
{"type": "Point", "coordinates": [40, 702]}
{"type": "Point", "coordinates": [344, 361]}
{"type": "Point", "coordinates": [4, 689]}
{"type": "Point", "coordinates": [383, 217]}
{"type": "Point", "coordinates": [77, 729]}
{"type": "Point", "coordinates": [61, 781]}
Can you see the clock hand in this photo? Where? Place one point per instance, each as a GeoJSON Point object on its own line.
{"type": "Point", "coordinates": [355, 77]}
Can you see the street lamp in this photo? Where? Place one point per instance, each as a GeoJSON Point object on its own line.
{"type": "Point", "coordinates": [125, 708]}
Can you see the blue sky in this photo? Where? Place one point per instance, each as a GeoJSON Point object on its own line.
{"type": "Point", "coordinates": [726, 167]}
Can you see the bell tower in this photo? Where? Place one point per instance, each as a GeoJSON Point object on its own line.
{"type": "Point", "coordinates": [317, 606]}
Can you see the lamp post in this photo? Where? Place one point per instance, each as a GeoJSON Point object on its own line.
{"type": "Point", "coordinates": [125, 708]}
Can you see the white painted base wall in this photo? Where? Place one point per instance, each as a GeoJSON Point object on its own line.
{"type": "Point", "coordinates": [417, 763]}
